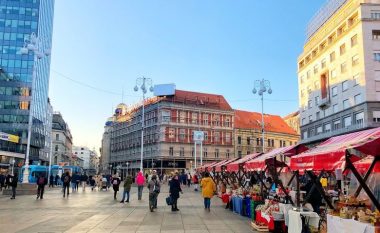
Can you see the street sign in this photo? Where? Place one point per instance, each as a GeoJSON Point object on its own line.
{"type": "Point", "coordinates": [199, 136]}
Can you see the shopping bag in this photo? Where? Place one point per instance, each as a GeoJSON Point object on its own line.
{"type": "Point", "coordinates": [169, 200]}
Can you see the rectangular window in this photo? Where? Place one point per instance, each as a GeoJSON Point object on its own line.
{"type": "Point", "coordinates": [323, 63]}
{"type": "Point", "coordinates": [239, 154]}
{"type": "Point", "coordinates": [347, 121]}
{"type": "Point", "coordinates": [228, 137]}
{"type": "Point", "coordinates": [171, 133]}
{"type": "Point", "coordinates": [343, 67]}
{"type": "Point", "coordinates": [354, 40]}
{"type": "Point", "coordinates": [346, 104]}
{"type": "Point", "coordinates": [327, 127]}
{"type": "Point", "coordinates": [239, 140]}
{"type": "Point", "coordinates": [171, 151]}
{"type": "Point", "coordinates": [342, 49]}
{"type": "Point", "coordinates": [303, 121]}
{"type": "Point", "coordinates": [376, 56]}
{"type": "Point", "coordinates": [194, 118]}
{"type": "Point", "coordinates": [205, 152]}
{"type": "Point", "coordinates": [301, 79]}
{"type": "Point", "coordinates": [308, 74]}
{"type": "Point", "coordinates": [358, 99]}
{"type": "Point", "coordinates": [182, 134]}
{"type": "Point", "coordinates": [375, 34]}
{"type": "Point", "coordinates": [57, 137]}
{"type": "Point", "coordinates": [206, 136]}
{"type": "Point", "coordinates": [319, 129]}
{"type": "Point", "coordinates": [376, 116]}
{"type": "Point", "coordinates": [182, 151]}
{"type": "Point", "coordinates": [375, 15]}
{"type": "Point", "coordinates": [336, 124]}
{"type": "Point", "coordinates": [310, 118]}
{"type": "Point", "coordinates": [205, 119]}
{"type": "Point", "coordinates": [317, 115]}
{"type": "Point", "coordinates": [356, 79]}
{"type": "Point", "coordinates": [182, 117]}
{"type": "Point", "coordinates": [310, 104]}
{"type": "Point", "coordinates": [359, 118]}
{"type": "Point", "coordinates": [332, 56]}
{"type": "Point", "coordinates": [248, 141]}
{"type": "Point", "coordinates": [216, 137]}
{"type": "Point", "coordinates": [355, 60]}
{"type": "Point", "coordinates": [316, 100]}
{"type": "Point", "coordinates": [304, 134]}
{"type": "Point", "coordinates": [227, 153]}
{"type": "Point", "coordinates": [315, 69]}
{"type": "Point", "coordinates": [333, 73]}
{"type": "Point", "coordinates": [216, 153]}
{"type": "Point", "coordinates": [335, 108]}
{"type": "Point", "coordinates": [345, 85]}
{"type": "Point", "coordinates": [334, 91]}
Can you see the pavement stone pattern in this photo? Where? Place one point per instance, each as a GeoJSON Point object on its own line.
{"type": "Point", "coordinates": [96, 212]}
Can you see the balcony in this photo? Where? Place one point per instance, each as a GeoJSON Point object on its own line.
{"type": "Point", "coordinates": [324, 103]}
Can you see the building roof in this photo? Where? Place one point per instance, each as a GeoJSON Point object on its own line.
{"type": "Point", "coordinates": [200, 99]}
{"type": "Point", "coordinates": [252, 120]}
{"type": "Point", "coordinates": [291, 115]}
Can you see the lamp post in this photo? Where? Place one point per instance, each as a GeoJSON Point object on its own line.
{"type": "Point", "coordinates": [127, 163]}
{"type": "Point", "coordinates": [260, 87]}
{"type": "Point", "coordinates": [143, 84]}
{"type": "Point", "coordinates": [33, 44]}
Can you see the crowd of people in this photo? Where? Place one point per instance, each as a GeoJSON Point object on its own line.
{"type": "Point", "coordinates": [152, 181]}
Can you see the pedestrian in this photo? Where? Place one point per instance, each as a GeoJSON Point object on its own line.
{"type": "Point", "coordinates": [99, 182]}
{"type": "Point", "coordinates": [51, 181]}
{"type": "Point", "coordinates": [127, 188]}
{"type": "Point", "coordinates": [74, 182]}
{"type": "Point", "coordinates": [92, 183]}
{"type": "Point", "coordinates": [8, 181]}
{"type": "Point", "coordinates": [195, 182]}
{"type": "Point", "coordinates": [115, 185]}
{"type": "Point", "coordinates": [41, 182]}
{"type": "Point", "coordinates": [188, 179]}
{"type": "Point", "coordinates": [13, 183]}
{"type": "Point", "coordinates": [140, 181]}
{"type": "Point", "coordinates": [66, 179]}
{"type": "Point", "coordinates": [2, 181]}
{"type": "Point", "coordinates": [108, 177]}
{"type": "Point", "coordinates": [57, 178]}
{"type": "Point", "coordinates": [208, 190]}
{"type": "Point", "coordinates": [175, 189]}
{"type": "Point", "coordinates": [154, 190]}
{"type": "Point", "coordinates": [146, 177]}
{"type": "Point", "coordinates": [84, 180]}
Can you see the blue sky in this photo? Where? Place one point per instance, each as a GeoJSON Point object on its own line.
{"type": "Point", "coordinates": [214, 46]}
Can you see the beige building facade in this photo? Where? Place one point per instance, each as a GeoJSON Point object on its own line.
{"type": "Point", "coordinates": [339, 70]}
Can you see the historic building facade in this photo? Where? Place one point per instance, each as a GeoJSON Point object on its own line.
{"type": "Point", "coordinates": [62, 141]}
{"type": "Point", "coordinates": [168, 134]}
{"type": "Point", "coordinates": [293, 120]}
{"type": "Point", "coordinates": [339, 70]}
{"type": "Point", "coordinates": [248, 133]}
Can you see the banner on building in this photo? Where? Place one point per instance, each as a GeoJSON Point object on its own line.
{"type": "Point", "coordinates": [9, 137]}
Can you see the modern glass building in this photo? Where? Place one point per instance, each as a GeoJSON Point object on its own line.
{"type": "Point", "coordinates": [18, 20]}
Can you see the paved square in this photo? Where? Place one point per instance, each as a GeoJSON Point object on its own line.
{"type": "Point", "coordinates": [97, 212]}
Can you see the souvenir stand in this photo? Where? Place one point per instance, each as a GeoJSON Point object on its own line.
{"type": "Point", "coordinates": [205, 168]}
{"type": "Point", "coordinates": [222, 179]}
{"type": "Point", "coordinates": [277, 201]}
{"type": "Point", "coordinates": [335, 153]}
{"type": "Point", "coordinates": [237, 177]}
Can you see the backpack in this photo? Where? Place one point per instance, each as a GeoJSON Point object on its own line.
{"type": "Point", "coordinates": [41, 181]}
{"type": "Point", "coordinates": [156, 188]}
{"type": "Point", "coordinates": [66, 179]}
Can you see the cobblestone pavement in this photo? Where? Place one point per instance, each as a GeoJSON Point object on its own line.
{"type": "Point", "coordinates": [97, 212]}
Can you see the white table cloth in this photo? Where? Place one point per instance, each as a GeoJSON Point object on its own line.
{"type": "Point", "coordinates": [295, 221]}
{"type": "Point", "coordinates": [339, 225]}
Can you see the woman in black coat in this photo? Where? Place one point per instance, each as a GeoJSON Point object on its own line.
{"type": "Point", "coordinates": [175, 188]}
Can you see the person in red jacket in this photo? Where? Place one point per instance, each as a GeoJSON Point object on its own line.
{"type": "Point", "coordinates": [140, 181]}
{"type": "Point", "coordinates": [195, 182]}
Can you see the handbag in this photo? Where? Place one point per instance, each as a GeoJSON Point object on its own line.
{"type": "Point", "coordinates": [169, 200]}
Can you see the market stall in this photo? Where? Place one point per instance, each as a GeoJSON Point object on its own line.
{"type": "Point", "coordinates": [343, 152]}
{"type": "Point", "coordinates": [236, 173]}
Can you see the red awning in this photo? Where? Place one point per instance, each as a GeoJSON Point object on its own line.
{"type": "Point", "coordinates": [363, 165]}
{"type": "Point", "coordinates": [216, 164]}
{"type": "Point", "coordinates": [218, 168]}
{"type": "Point", "coordinates": [234, 166]}
{"type": "Point", "coordinates": [259, 163]}
{"type": "Point", "coordinates": [330, 154]}
{"type": "Point", "coordinates": [199, 169]}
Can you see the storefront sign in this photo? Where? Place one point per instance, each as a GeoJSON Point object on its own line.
{"type": "Point", "coordinates": [9, 137]}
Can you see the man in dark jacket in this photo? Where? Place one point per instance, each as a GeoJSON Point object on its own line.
{"type": "Point", "coordinates": [127, 188]}
{"type": "Point", "coordinates": [2, 181]}
{"type": "Point", "coordinates": [66, 179]}
{"type": "Point", "coordinates": [41, 182]}
{"type": "Point", "coordinates": [51, 181]}
{"type": "Point", "coordinates": [84, 180]}
{"type": "Point", "coordinates": [8, 181]}
{"type": "Point", "coordinates": [175, 189]}
{"type": "Point", "coordinates": [13, 183]}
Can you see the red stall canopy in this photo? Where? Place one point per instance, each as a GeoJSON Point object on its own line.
{"type": "Point", "coordinates": [206, 166]}
{"type": "Point", "coordinates": [330, 154]}
{"type": "Point", "coordinates": [234, 166]}
{"type": "Point", "coordinates": [363, 165]}
{"type": "Point", "coordinates": [218, 168]}
{"type": "Point", "coordinates": [216, 164]}
{"type": "Point", "coordinates": [259, 163]}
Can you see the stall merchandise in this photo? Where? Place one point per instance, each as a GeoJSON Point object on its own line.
{"type": "Point", "coordinates": [337, 224]}
{"type": "Point", "coordinates": [295, 221]}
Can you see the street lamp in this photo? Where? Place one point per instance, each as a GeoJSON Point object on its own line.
{"type": "Point", "coordinates": [143, 84]}
{"type": "Point", "coordinates": [127, 163]}
{"type": "Point", "coordinates": [33, 44]}
{"type": "Point", "coordinates": [260, 87]}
